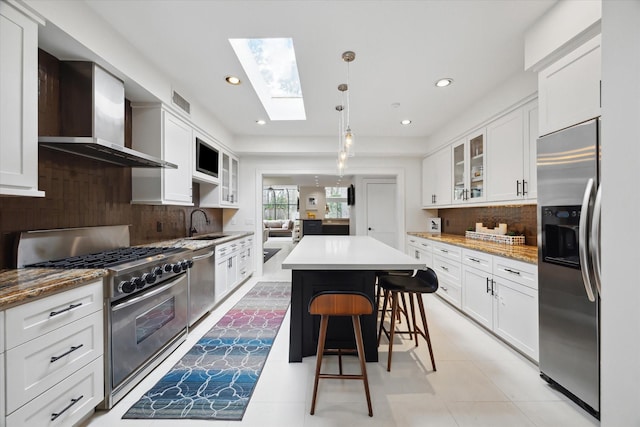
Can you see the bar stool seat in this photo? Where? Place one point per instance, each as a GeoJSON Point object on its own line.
{"type": "Point", "coordinates": [336, 303]}
{"type": "Point", "coordinates": [395, 287]}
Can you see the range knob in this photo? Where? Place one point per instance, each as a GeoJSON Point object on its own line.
{"type": "Point", "coordinates": [149, 278]}
{"type": "Point", "coordinates": [184, 264]}
{"type": "Point", "coordinates": [177, 268]}
{"type": "Point", "coordinates": [189, 263]}
{"type": "Point", "coordinates": [126, 287]}
{"type": "Point", "coordinates": [167, 268]}
{"type": "Point", "coordinates": [157, 271]}
{"type": "Point", "coordinates": [137, 282]}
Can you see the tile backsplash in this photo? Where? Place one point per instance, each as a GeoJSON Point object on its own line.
{"type": "Point", "coordinates": [521, 219]}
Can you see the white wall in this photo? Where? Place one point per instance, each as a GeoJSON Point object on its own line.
{"type": "Point", "coordinates": [251, 168]}
{"type": "Point", "coordinates": [321, 200]}
{"type": "Point", "coordinates": [116, 54]}
{"type": "Point", "coordinates": [620, 316]}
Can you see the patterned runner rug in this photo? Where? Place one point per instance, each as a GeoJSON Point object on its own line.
{"type": "Point", "coordinates": [216, 378]}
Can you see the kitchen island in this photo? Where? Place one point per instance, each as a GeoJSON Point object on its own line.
{"type": "Point", "coordinates": [337, 263]}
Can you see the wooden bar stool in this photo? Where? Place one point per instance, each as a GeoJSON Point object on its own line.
{"type": "Point", "coordinates": [395, 287]}
{"type": "Point", "coordinates": [336, 303]}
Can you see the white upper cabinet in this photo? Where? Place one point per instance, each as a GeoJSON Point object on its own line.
{"type": "Point", "coordinates": [225, 193]}
{"type": "Point", "coordinates": [469, 168]}
{"type": "Point", "coordinates": [569, 89]}
{"type": "Point", "coordinates": [18, 103]}
{"type": "Point", "coordinates": [436, 179]}
{"type": "Point", "coordinates": [160, 133]}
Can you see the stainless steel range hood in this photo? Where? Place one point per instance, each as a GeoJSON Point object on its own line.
{"type": "Point", "coordinates": [92, 118]}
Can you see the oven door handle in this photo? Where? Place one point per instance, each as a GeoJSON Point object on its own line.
{"type": "Point", "coordinates": [149, 294]}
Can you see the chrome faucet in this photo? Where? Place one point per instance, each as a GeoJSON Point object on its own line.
{"type": "Point", "coordinates": [192, 229]}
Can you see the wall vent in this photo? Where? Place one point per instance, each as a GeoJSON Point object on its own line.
{"type": "Point", "coordinates": [180, 102]}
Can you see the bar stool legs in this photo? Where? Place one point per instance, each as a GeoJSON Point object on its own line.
{"type": "Point", "coordinates": [340, 305]}
{"type": "Point", "coordinates": [424, 332]}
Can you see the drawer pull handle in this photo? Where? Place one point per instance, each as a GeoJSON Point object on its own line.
{"type": "Point", "coordinates": [71, 350]}
{"type": "Point", "coordinates": [512, 271]}
{"type": "Point", "coordinates": [71, 307]}
{"type": "Point", "coordinates": [73, 402]}
{"type": "Point", "coordinates": [444, 288]}
{"type": "Point", "coordinates": [474, 260]}
{"type": "Point", "coordinates": [444, 268]}
{"type": "Point", "coordinates": [444, 250]}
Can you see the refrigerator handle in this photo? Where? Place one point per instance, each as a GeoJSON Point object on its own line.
{"type": "Point", "coordinates": [583, 242]}
{"type": "Point", "coordinates": [594, 240]}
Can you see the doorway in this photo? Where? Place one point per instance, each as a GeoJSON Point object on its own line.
{"type": "Point", "coordinates": [381, 210]}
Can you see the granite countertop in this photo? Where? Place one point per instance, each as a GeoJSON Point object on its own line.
{"type": "Point", "coordinates": [525, 253]}
{"type": "Point", "coordinates": [18, 286]}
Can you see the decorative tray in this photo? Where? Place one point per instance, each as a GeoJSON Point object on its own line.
{"type": "Point", "coordinates": [498, 238]}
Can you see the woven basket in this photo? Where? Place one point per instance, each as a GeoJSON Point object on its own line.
{"type": "Point", "coordinates": [498, 238]}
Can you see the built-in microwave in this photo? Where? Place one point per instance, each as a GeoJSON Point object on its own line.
{"type": "Point", "coordinates": [206, 158]}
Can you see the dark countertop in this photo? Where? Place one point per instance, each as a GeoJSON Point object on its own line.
{"type": "Point", "coordinates": [21, 285]}
{"type": "Point", "coordinates": [524, 253]}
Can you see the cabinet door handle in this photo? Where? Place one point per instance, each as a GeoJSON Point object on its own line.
{"type": "Point", "coordinates": [73, 402]}
{"type": "Point", "coordinates": [71, 350]}
{"type": "Point", "coordinates": [71, 307]}
{"type": "Point", "coordinates": [487, 285]}
{"type": "Point", "coordinates": [444, 288]}
{"type": "Point", "coordinates": [524, 192]}
{"type": "Point", "coordinates": [518, 188]}
{"type": "Point", "coordinates": [512, 271]}
{"type": "Point", "coordinates": [493, 291]}
{"type": "Point", "coordinates": [444, 268]}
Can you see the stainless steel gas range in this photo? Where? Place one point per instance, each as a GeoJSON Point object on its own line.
{"type": "Point", "coordinates": [146, 295]}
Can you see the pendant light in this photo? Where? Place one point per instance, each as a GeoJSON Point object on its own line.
{"type": "Point", "coordinates": [349, 138]}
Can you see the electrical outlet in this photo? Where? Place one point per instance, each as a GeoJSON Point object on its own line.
{"type": "Point", "coordinates": [158, 226]}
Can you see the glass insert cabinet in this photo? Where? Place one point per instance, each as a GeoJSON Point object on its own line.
{"type": "Point", "coordinates": [469, 168]}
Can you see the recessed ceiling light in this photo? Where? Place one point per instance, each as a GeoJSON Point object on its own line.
{"type": "Point", "coordinates": [261, 122]}
{"type": "Point", "coordinates": [395, 105]}
{"type": "Point", "coordinates": [405, 122]}
{"type": "Point", "coordinates": [444, 82]}
{"type": "Point", "coordinates": [232, 80]}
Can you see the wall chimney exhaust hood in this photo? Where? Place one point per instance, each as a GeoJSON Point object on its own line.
{"type": "Point", "coordinates": [92, 118]}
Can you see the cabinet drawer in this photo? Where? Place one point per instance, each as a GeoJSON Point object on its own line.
{"type": "Point", "coordinates": [28, 321]}
{"type": "Point", "coordinates": [520, 272]}
{"type": "Point", "coordinates": [87, 385]}
{"type": "Point", "coordinates": [480, 260]}
{"type": "Point", "coordinates": [450, 252]}
{"type": "Point", "coordinates": [446, 269]}
{"type": "Point", "coordinates": [450, 292]}
{"type": "Point", "coordinates": [33, 369]}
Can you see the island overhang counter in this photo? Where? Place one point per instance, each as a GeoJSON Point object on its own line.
{"type": "Point", "coordinates": [337, 263]}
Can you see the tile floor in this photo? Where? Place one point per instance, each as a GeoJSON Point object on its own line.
{"type": "Point", "coordinates": [480, 382]}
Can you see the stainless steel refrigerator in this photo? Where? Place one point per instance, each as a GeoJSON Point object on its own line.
{"type": "Point", "coordinates": [569, 195]}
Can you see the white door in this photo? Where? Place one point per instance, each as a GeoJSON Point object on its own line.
{"type": "Point", "coordinates": [381, 212]}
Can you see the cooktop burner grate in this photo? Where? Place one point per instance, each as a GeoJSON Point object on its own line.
{"type": "Point", "coordinates": [107, 258]}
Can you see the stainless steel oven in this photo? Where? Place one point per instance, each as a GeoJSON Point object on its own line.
{"type": "Point", "coordinates": [146, 295]}
{"type": "Point", "coordinates": [143, 328]}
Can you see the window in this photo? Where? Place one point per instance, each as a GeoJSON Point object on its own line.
{"type": "Point", "coordinates": [336, 202]}
{"type": "Point", "coordinates": [279, 203]}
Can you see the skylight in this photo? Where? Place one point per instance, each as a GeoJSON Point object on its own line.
{"type": "Point", "coordinates": [270, 64]}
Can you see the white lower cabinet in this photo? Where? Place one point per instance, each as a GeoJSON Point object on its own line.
{"type": "Point", "coordinates": [506, 306]}
{"type": "Point", "coordinates": [420, 249]}
{"type": "Point", "coordinates": [234, 264]}
{"type": "Point", "coordinates": [499, 293]}
{"type": "Point", "coordinates": [446, 264]}
{"type": "Point", "coordinates": [65, 404]}
{"type": "Point", "coordinates": [54, 358]}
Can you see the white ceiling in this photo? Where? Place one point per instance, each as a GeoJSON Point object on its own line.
{"type": "Point", "coordinates": [402, 48]}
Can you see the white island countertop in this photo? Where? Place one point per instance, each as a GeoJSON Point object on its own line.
{"type": "Point", "coordinates": [347, 253]}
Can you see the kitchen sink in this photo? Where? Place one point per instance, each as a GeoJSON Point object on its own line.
{"type": "Point", "coordinates": [207, 237]}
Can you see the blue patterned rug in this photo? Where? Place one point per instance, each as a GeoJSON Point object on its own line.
{"type": "Point", "coordinates": [216, 378]}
